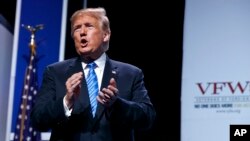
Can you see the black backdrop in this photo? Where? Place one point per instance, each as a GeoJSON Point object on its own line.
{"type": "Point", "coordinates": [147, 34]}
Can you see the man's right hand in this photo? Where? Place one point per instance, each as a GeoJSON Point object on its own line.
{"type": "Point", "coordinates": [73, 87]}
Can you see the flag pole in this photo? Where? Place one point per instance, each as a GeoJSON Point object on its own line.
{"type": "Point", "coordinates": [33, 30]}
{"type": "Point", "coordinates": [29, 91]}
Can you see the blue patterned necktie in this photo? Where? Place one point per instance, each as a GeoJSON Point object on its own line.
{"type": "Point", "coordinates": [92, 84]}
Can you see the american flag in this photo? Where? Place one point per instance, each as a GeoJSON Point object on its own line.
{"type": "Point", "coordinates": [24, 130]}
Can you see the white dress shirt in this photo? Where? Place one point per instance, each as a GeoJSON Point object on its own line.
{"type": "Point", "coordinates": [100, 62]}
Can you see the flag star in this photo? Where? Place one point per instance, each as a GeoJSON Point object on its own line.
{"type": "Point", "coordinates": [28, 107]}
{"type": "Point", "coordinates": [23, 126]}
{"type": "Point", "coordinates": [30, 67]}
{"type": "Point", "coordinates": [30, 129]}
{"type": "Point", "coordinates": [24, 96]}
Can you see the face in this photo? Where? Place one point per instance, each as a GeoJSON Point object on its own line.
{"type": "Point", "coordinates": [88, 36]}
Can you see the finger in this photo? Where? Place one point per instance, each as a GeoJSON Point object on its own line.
{"type": "Point", "coordinates": [75, 78]}
{"type": "Point", "coordinates": [112, 82]}
{"type": "Point", "coordinates": [101, 95]}
{"type": "Point", "coordinates": [101, 100]}
{"type": "Point", "coordinates": [107, 96]}
{"type": "Point", "coordinates": [67, 84]}
{"type": "Point", "coordinates": [113, 89]}
{"type": "Point", "coordinates": [76, 84]}
{"type": "Point", "coordinates": [107, 92]}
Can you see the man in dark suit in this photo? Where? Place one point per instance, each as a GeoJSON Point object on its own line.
{"type": "Point", "coordinates": [64, 102]}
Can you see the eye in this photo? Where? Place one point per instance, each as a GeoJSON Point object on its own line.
{"type": "Point", "coordinates": [77, 28]}
{"type": "Point", "coordinates": [89, 25]}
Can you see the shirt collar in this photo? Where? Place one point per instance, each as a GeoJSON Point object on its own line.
{"type": "Point", "coordinates": [100, 62]}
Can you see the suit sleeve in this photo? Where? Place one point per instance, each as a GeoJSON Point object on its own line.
{"type": "Point", "coordinates": [48, 110]}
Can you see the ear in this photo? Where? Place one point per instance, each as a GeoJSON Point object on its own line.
{"type": "Point", "coordinates": [106, 36]}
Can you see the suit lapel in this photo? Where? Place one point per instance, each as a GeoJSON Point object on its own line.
{"type": "Point", "coordinates": [110, 71]}
{"type": "Point", "coordinates": [81, 103]}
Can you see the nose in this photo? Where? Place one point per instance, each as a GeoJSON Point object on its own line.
{"type": "Point", "coordinates": [83, 31]}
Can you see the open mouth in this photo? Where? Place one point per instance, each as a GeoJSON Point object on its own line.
{"type": "Point", "coordinates": [84, 42]}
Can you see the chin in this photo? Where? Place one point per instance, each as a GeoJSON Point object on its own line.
{"type": "Point", "coordinates": [85, 53]}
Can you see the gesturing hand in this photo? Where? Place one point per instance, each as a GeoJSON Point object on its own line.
{"type": "Point", "coordinates": [107, 96]}
{"type": "Point", "coordinates": [73, 86]}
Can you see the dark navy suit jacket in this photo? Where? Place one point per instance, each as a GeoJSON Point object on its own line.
{"type": "Point", "coordinates": [132, 109]}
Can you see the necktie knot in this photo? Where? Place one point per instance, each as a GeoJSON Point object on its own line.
{"type": "Point", "coordinates": [91, 65]}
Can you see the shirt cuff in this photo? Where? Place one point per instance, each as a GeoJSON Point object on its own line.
{"type": "Point", "coordinates": [67, 111]}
